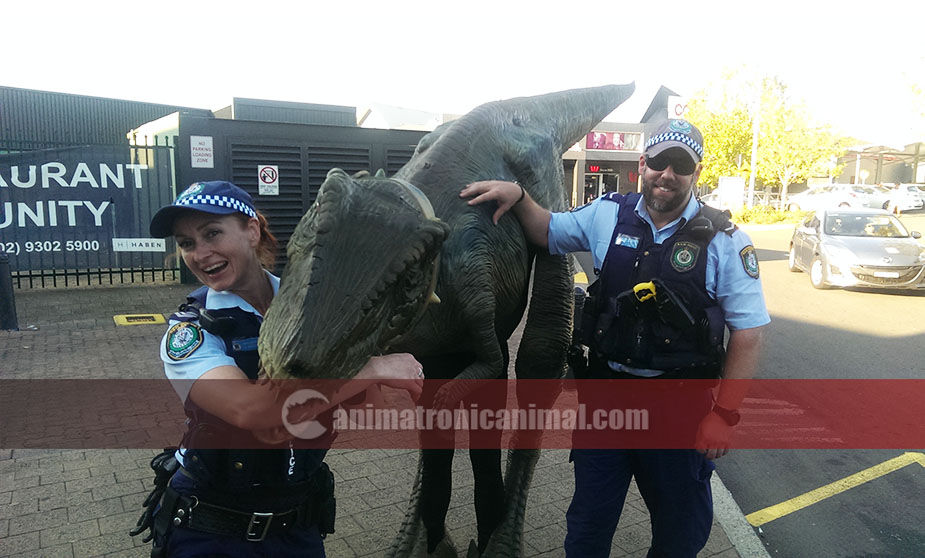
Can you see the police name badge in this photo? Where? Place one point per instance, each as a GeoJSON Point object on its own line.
{"type": "Point", "coordinates": [182, 339]}
{"type": "Point", "coordinates": [627, 240]}
{"type": "Point", "coordinates": [749, 261]}
{"type": "Point", "coordinates": [684, 256]}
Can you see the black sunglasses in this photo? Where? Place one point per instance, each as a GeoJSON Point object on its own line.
{"type": "Point", "coordinates": [682, 165]}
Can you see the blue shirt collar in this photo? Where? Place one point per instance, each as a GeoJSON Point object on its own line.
{"type": "Point", "coordinates": [227, 299]}
{"type": "Point", "coordinates": [690, 211]}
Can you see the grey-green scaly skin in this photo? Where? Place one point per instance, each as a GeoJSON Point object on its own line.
{"type": "Point", "coordinates": [362, 266]}
{"type": "Point", "coordinates": [341, 299]}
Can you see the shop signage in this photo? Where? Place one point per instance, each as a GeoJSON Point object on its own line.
{"type": "Point", "coordinates": [75, 207]}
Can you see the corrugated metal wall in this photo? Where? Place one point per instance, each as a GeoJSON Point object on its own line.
{"type": "Point", "coordinates": [44, 118]}
{"type": "Point", "coordinates": [302, 170]}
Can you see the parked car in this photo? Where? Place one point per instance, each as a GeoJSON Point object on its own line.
{"type": "Point", "coordinates": [844, 247]}
{"type": "Point", "coordinates": [733, 202]}
{"type": "Point", "coordinates": [835, 195]}
{"type": "Point", "coordinates": [905, 197]}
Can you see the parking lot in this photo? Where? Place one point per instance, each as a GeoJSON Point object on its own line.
{"type": "Point", "coordinates": [838, 333]}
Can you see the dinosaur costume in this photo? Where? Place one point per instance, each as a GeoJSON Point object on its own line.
{"type": "Point", "coordinates": [367, 257]}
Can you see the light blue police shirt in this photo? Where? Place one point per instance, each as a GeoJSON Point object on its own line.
{"type": "Point", "coordinates": [211, 353]}
{"type": "Point", "coordinates": [590, 228]}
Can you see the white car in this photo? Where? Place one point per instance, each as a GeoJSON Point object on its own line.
{"type": "Point", "coordinates": [835, 195]}
{"type": "Point", "coordinates": [905, 197]}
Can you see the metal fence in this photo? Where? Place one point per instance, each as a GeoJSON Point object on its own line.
{"type": "Point", "coordinates": [78, 215]}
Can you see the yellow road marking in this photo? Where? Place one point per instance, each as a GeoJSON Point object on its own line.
{"type": "Point", "coordinates": [580, 277]}
{"type": "Point", "coordinates": [771, 513]}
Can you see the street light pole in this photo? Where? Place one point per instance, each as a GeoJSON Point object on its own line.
{"type": "Point", "coordinates": [756, 124]}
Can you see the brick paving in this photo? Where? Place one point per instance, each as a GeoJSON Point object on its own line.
{"type": "Point", "coordinates": [82, 503]}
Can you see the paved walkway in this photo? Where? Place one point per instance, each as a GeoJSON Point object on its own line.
{"type": "Point", "coordinates": [81, 503]}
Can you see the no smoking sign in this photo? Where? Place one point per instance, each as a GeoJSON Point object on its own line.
{"type": "Point", "coordinates": [268, 180]}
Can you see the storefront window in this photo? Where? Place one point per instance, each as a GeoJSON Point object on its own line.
{"type": "Point", "coordinates": [613, 141]}
{"type": "Point", "coordinates": [600, 184]}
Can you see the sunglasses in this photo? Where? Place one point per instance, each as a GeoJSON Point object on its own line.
{"type": "Point", "coordinates": [682, 165]}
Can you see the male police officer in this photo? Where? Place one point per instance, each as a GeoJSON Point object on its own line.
{"type": "Point", "coordinates": [710, 269]}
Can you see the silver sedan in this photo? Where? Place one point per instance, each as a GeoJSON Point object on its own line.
{"type": "Point", "coordinates": [857, 248]}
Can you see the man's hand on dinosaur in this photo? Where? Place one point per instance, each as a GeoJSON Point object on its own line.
{"type": "Point", "coordinates": [506, 194]}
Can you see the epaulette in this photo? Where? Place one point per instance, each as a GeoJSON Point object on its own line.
{"type": "Point", "coordinates": [189, 310]}
{"type": "Point", "coordinates": [720, 218]}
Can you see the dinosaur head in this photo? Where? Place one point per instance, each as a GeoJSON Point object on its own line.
{"type": "Point", "coordinates": [362, 268]}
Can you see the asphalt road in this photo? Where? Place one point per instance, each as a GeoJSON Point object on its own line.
{"type": "Point", "coordinates": [834, 334]}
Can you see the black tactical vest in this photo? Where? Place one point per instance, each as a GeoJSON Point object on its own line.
{"type": "Point", "coordinates": [679, 331]}
{"type": "Point", "coordinates": [285, 472]}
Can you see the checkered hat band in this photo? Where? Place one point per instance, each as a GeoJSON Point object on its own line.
{"type": "Point", "coordinates": [219, 201]}
{"type": "Point", "coordinates": [674, 136]}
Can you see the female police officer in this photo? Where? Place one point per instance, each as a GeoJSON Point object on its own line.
{"type": "Point", "coordinates": [238, 502]}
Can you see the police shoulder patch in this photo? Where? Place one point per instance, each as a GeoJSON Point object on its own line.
{"type": "Point", "coordinates": [183, 339]}
{"type": "Point", "coordinates": [684, 256]}
{"type": "Point", "coordinates": [749, 260]}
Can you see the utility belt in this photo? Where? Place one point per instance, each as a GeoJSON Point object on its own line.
{"type": "Point", "coordinates": [166, 509]}
{"type": "Point", "coordinates": [599, 369]}
{"type": "Point", "coordinates": [192, 513]}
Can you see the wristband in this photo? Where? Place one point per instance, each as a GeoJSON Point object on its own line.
{"type": "Point", "coordinates": [729, 416]}
{"type": "Point", "coordinates": [523, 193]}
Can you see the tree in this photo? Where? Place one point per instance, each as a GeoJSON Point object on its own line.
{"type": "Point", "coordinates": [791, 147]}
{"type": "Point", "coordinates": [723, 118]}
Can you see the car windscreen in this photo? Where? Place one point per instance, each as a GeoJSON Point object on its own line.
{"type": "Point", "coordinates": [881, 226]}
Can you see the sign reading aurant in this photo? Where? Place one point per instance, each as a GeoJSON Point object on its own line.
{"type": "Point", "coordinates": [76, 207]}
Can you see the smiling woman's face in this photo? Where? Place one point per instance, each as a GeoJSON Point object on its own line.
{"type": "Point", "coordinates": [220, 250]}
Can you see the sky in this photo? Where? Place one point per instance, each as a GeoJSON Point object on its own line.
{"type": "Point", "coordinates": [854, 66]}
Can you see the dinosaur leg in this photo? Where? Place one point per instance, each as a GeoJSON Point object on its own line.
{"type": "Point", "coordinates": [437, 486]}
{"type": "Point", "coordinates": [485, 457]}
{"type": "Point", "coordinates": [430, 496]}
{"type": "Point", "coordinates": [489, 492]}
{"type": "Point", "coordinates": [541, 355]}
{"type": "Point", "coordinates": [437, 469]}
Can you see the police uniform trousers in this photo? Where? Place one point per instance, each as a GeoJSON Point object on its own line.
{"type": "Point", "coordinates": [296, 542]}
{"type": "Point", "coordinates": [674, 483]}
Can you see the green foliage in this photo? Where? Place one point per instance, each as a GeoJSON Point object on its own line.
{"type": "Point", "coordinates": [791, 147]}
{"type": "Point", "coordinates": [724, 120]}
{"type": "Point", "coordinates": [767, 215]}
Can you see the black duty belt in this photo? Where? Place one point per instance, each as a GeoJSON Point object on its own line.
{"type": "Point", "coordinates": [251, 526]}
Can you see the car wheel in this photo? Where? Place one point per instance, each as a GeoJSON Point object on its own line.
{"type": "Point", "coordinates": [792, 260]}
{"type": "Point", "coordinates": [844, 204]}
{"type": "Point", "coordinates": [817, 274]}
{"type": "Point", "coordinates": [793, 207]}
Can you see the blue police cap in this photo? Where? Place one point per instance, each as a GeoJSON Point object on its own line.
{"type": "Point", "coordinates": [218, 197]}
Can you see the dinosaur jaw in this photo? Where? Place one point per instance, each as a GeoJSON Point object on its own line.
{"type": "Point", "coordinates": [362, 268]}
